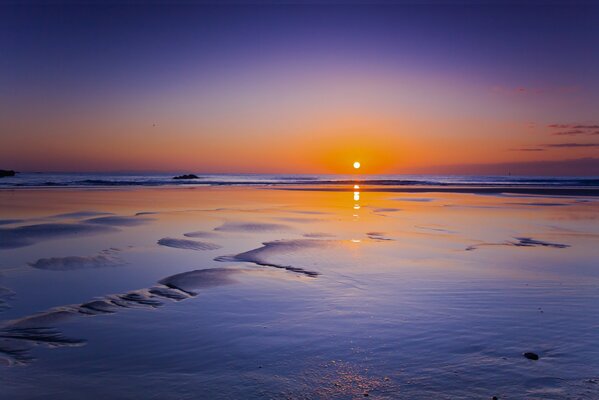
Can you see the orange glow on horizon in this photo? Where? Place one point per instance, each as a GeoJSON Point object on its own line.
{"type": "Point", "coordinates": [382, 143]}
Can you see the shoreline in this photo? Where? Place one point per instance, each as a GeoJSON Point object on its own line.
{"type": "Point", "coordinates": [540, 191]}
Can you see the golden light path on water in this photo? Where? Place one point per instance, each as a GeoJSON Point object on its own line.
{"type": "Point", "coordinates": [356, 200]}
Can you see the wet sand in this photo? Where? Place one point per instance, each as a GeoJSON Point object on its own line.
{"type": "Point", "coordinates": [333, 293]}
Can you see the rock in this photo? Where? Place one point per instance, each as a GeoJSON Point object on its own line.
{"type": "Point", "coordinates": [187, 176]}
{"type": "Point", "coordinates": [4, 172]}
{"type": "Point", "coordinates": [531, 356]}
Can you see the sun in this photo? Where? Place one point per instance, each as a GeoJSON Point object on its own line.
{"type": "Point", "coordinates": [357, 164]}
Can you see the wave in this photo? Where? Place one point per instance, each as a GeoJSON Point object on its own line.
{"type": "Point", "coordinates": [123, 180]}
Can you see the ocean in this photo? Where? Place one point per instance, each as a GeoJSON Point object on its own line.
{"type": "Point", "coordinates": [166, 179]}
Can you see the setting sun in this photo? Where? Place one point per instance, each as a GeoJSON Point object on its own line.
{"type": "Point", "coordinates": [357, 165]}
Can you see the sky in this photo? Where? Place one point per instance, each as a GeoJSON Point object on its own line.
{"type": "Point", "coordinates": [435, 87]}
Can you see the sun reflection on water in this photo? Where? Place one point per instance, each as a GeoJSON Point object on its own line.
{"type": "Point", "coordinates": [356, 214]}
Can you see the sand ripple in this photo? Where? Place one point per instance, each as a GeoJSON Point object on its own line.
{"type": "Point", "coordinates": [18, 337]}
{"type": "Point", "coordinates": [252, 227]}
{"type": "Point", "coordinates": [188, 244]}
{"type": "Point", "coordinates": [30, 234]}
{"type": "Point", "coordinates": [104, 259]}
{"type": "Point", "coordinates": [521, 242]}
{"type": "Point", "coordinates": [263, 255]}
{"type": "Point", "coordinates": [119, 220]}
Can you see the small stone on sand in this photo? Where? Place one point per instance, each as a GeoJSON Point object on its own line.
{"type": "Point", "coordinates": [531, 356]}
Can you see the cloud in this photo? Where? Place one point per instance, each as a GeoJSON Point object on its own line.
{"type": "Point", "coordinates": [566, 133]}
{"type": "Point", "coordinates": [528, 149]}
{"type": "Point", "coordinates": [571, 145]}
{"type": "Point", "coordinates": [574, 129]}
{"type": "Point", "coordinates": [586, 127]}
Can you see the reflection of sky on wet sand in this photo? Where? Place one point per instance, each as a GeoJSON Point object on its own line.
{"type": "Point", "coordinates": [398, 303]}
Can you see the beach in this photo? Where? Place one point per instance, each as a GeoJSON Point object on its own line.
{"type": "Point", "coordinates": [298, 292]}
{"type": "Point", "coordinates": [299, 200]}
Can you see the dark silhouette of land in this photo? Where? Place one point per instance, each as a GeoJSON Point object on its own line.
{"type": "Point", "coordinates": [187, 176]}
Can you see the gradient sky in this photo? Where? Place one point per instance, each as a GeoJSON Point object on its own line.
{"type": "Point", "coordinates": [443, 87]}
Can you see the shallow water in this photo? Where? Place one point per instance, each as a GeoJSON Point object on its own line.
{"type": "Point", "coordinates": [221, 292]}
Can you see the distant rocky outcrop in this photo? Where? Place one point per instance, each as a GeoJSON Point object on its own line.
{"type": "Point", "coordinates": [187, 176]}
{"type": "Point", "coordinates": [5, 172]}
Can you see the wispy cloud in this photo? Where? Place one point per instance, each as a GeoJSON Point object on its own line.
{"type": "Point", "coordinates": [572, 126]}
{"type": "Point", "coordinates": [528, 149]}
{"type": "Point", "coordinates": [571, 145]}
{"type": "Point", "coordinates": [575, 129]}
{"type": "Point", "coordinates": [543, 147]}
{"type": "Point", "coordinates": [568, 133]}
